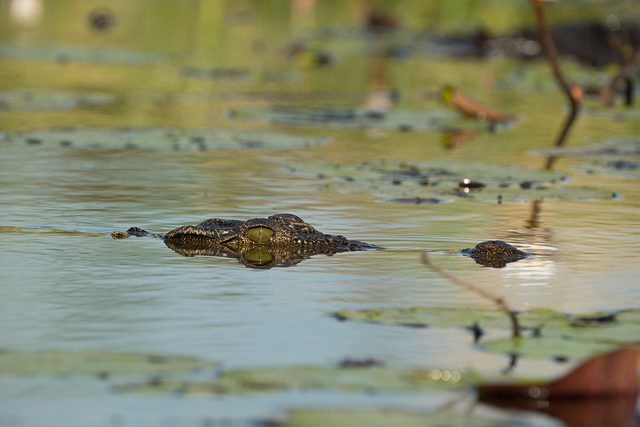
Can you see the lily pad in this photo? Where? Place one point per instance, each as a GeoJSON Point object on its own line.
{"type": "Point", "coordinates": [397, 182]}
{"type": "Point", "coordinates": [350, 379]}
{"type": "Point", "coordinates": [614, 113]}
{"type": "Point", "coordinates": [25, 100]}
{"type": "Point", "coordinates": [238, 74]}
{"type": "Point", "coordinates": [77, 54]}
{"type": "Point", "coordinates": [552, 334]}
{"type": "Point", "coordinates": [377, 417]}
{"type": "Point", "coordinates": [358, 118]}
{"type": "Point", "coordinates": [557, 348]}
{"type": "Point", "coordinates": [48, 363]}
{"type": "Point", "coordinates": [163, 138]}
{"type": "Point", "coordinates": [612, 147]}
{"type": "Point", "coordinates": [615, 156]}
{"type": "Point", "coordinates": [444, 317]}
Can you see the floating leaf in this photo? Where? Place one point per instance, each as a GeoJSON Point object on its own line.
{"type": "Point", "coordinates": [442, 317]}
{"type": "Point", "coordinates": [26, 100]}
{"type": "Point", "coordinates": [398, 182]}
{"type": "Point", "coordinates": [349, 379]}
{"type": "Point", "coordinates": [615, 156]}
{"type": "Point", "coordinates": [610, 374]}
{"type": "Point", "coordinates": [75, 54]}
{"type": "Point", "coordinates": [560, 349]}
{"type": "Point", "coordinates": [163, 138]}
{"type": "Point", "coordinates": [616, 147]}
{"type": "Point", "coordinates": [376, 417]}
{"type": "Point", "coordinates": [615, 113]}
{"type": "Point", "coordinates": [22, 363]}
{"type": "Point", "coordinates": [355, 118]}
{"type": "Point", "coordinates": [617, 411]}
{"type": "Point", "coordinates": [241, 74]}
{"type": "Point", "coordinates": [561, 336]}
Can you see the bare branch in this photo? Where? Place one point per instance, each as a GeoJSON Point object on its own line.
{"type": "Point", "coordinates": [500, 302]}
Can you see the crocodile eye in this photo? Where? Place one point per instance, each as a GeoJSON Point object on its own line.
{"type": "Point", "coordinates": [260, 235]}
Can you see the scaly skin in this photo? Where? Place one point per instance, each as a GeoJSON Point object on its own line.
{"type": "Point", "coordinates": [495, 253]}
{"type": "Point", "coordinates": [279, 240]}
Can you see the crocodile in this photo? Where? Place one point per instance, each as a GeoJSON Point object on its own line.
{"type": "Point", "coordinates": [494, 253]}
{"type": "Point", "coordinates": [280, 240]}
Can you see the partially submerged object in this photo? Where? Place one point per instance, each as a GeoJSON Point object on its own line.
{"type": "Point", "coordinates": [495, 253]}
{"type": "Point", "coordinates": [279, 240]}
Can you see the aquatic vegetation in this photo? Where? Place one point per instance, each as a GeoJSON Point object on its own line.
{"type": "Point", "coordinates": [276, 379]}
{"type": "Point", "coordinates": [402, 182]}
{"type": "Point", "coordinates": [163, 138]}
{"type": "Point", "coordinates": [63, 55]}
{"type": "Point", "coordinates": [361, 118]}
{"type": "Point", "coordinates": [610, 378]}
{"type": "Point", "coordinates": [238, 74]}
{"type": "Point", "coordinates": [94, 363]}
{"type": "Point", "coordinates": [43, 100]}
{"type": "Point", "coordinates": [380, 417]}
{"type": "Point", "coordinates": [619, 156]}
{"type": "Point", "coordinates": [546, 333]}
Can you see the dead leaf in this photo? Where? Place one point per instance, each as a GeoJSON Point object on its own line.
{"type": "Point", "coordinates": [590, 412]}
{"type": "Point", "coordinates": [605, 375]}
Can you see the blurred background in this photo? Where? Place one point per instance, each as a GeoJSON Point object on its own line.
{"type": "Point", "coordinates": [158, 114]}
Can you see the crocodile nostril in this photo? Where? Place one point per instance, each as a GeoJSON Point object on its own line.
{"type": "Point", "coordinates": [260, 235]}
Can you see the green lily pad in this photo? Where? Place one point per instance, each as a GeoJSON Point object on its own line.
{"type": "Point", "coordinates": [25, 100]}
{"type": "Point", "coordinates": [616, 156]}
{"type": "Point", "coordinates": [238, 74]}
{"type": "Point", "coordinates": [548, 347]}
{"type": "Point", "coordinates": [569, 336]}
{"type": "Point", "coordinates": [398, 182]}
{"type": "Point", "coordinates": [351, 379]}
{"type": "Point", "coordinates": [77, 54]}
{"type": "Point", "coordinates": [535, 77]}
{"type": "Point", "coordinates": [612, 147]}
{"type": "Point", "coordinates": [379, 417]}
{"type": "Point", "coordinates": [162, 138]}
{"type": "Point", "coordinates": [39, 363]}
{"type": "Point", "coordinates": [356, 118]}
{"type": "Point", "coordinates": [442, 317]}
{"type": "Point", "coordinates": [615, 113]}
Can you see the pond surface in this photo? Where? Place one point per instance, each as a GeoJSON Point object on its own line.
{"type": "Point", "coordinates": [65, 284]}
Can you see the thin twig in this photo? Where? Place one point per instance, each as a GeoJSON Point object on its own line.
{"type": "Point", "coordinates": [552, 55]}
{"type": "Point", "coordinates": [500, 302]}
{"type": "Point", "coordinates": [626, 74]}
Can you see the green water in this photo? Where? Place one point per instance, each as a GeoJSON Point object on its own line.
{"type": "Point", "coordinates": [66, 285]}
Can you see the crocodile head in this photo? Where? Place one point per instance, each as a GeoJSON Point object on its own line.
{"type": "Point", "coordinates": [280, 230]}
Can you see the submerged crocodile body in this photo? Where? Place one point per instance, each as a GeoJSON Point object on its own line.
{"type": "Point", "coordinates": [495, 253]}
{"type": "Point", "coordinates": [279, 240]}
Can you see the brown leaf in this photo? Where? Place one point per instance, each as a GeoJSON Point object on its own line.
{"type": "Point", "coordinates": [589, 412]}
{"type": "Point", "coordinates": [605, 375]}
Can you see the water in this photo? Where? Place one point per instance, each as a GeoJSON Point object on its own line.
{"type": "Point", "coordinates": [65, 284]}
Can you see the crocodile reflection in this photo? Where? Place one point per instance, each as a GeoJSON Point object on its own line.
{"type": "Point", "coordinates": [280, 240]}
